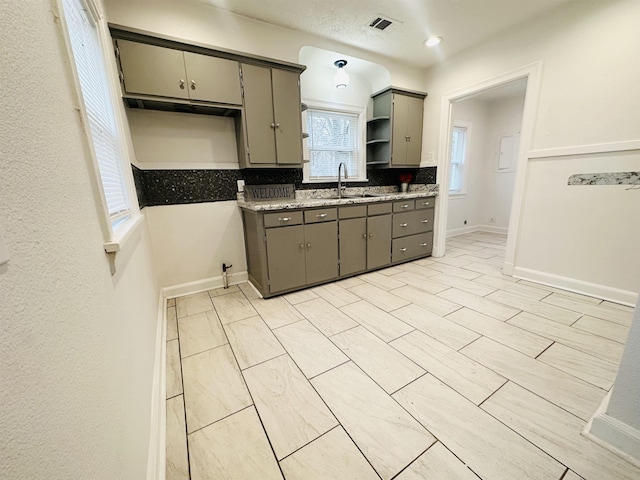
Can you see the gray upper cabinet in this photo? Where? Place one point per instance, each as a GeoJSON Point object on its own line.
{"type": "Point", "coordinates": [165, 72]}
{"type": "Point", "coordinates": [394, 134]}
{"type": "Point", "coordinates": [272, 122]}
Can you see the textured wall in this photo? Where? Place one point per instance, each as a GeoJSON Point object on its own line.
{"type": "Point", "coordinates": [76, 344]}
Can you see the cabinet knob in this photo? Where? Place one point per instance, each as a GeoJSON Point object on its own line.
{"type": "Point", "coordinates": [301, 246]}
{"type": "Point", "coordinates": [423, 244]}
{"type": "Point", "coordinates": [308, 245]}
{"type": "Point", "coordinates": [424, 221]}
{"type": "Point", "coordinates": [403, 249]}
{"type": "Point", "coordinates": [371, 235]}
{"type": "Point", "coordinates": [284, 219]}
{"type": "Point", "coordinates": [182, 84]}
{"type": "Point", "coordinates": [193, 84]}
{"type": "Point", "coordinates": [321, 215]}
{"type": "Point", "coordinates": [364, 235]}
{"type": "Point", "coordinates": [407, 138]}
{"type": "Point", "coordinates": [273, 125]}
{"type": "Point", "coordinates": [406, 205]}
{"type": "Point", "coordinates": [426, 204]}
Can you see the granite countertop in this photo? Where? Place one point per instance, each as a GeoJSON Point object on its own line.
{"type": "Point", "coordinates": [323, 197]}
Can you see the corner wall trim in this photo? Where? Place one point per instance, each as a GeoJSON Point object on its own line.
{"type": "Point", "coordinates": [477, 228]}
{"type": "Point", "coordinates": [156, 460]}
{"type": "Point", "coordinates": [584, 149]}
{"type": "Point", "coordinates": [614, 435]}
{"type": "Point", "coordinates": [604, 292]}
{"type": "Point", "coordinates": [202, 285]}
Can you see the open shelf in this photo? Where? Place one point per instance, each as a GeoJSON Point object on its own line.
{"type": "Point", "coordinates": [379, 140]}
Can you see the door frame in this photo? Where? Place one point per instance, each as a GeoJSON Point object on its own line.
{"type": "Point", "coordinates": [532, 72]}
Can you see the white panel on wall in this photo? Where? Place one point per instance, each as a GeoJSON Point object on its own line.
{"type": "Point", "coordinates": [506, 152]}
{"type": "Point", "coordinates": [172, 140]}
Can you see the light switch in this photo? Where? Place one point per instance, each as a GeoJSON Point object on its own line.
{"type": "Point", "coordinates": [4, 253]}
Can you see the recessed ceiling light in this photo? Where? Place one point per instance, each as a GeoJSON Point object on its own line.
{"type": "Point", "coordinates": [433, 41]}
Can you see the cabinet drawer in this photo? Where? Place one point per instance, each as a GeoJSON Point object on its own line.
{"type": "Point", "coordinates": [403, 206]}
{"type": "Point", "coordinates": [282, 219]}
{"type": "Point", "coordinates": [352, 212]}
{"type": "Point", "coordinates": [422, 203]}
{"type": "Point", "coordinates": [410, 247]}
{"type": "Point", "coordinates": [320, 215]}
{"type": "Point", "coordinates": [410, 223]}
{"type": "Point", "coordinates": [379, 208]}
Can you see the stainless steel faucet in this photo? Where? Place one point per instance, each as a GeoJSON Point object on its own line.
{"type": "Point", "coordinates": [346, 175]}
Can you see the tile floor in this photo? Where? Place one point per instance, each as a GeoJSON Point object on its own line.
{"type": "Point", "coordinates": [442, 368]}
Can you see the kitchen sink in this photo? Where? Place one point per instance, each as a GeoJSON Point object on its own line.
{"type": "Point", "coordinates": [347, 197]}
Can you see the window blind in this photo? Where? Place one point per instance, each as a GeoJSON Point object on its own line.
{"type": "Point", "coordinates": [90, 66]}
{"type": "Point", "coordinates": [458, 145]}
{"type": "Point", "coordinates": [333, 138]}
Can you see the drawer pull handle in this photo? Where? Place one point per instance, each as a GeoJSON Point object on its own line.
{"type": "Point", "coordinates": [321, 215]}
{"type": "Point", "coordinates": [193, 84]}
{"type": "Point", "coordinates": [423, 244]}
{"type": "Point", "coordinates": [426, 204]}
{"type": "Point", "coordinates": [403, 249]}
{"type": "Point", "coordinates": [403, 225]}
{"type": "Point", "coordinates": [181, 84]}
{"type": "Point", "coordinates": [424, 221]}
{"type": "Point", "coordinates": [406, 205]}
{"type": "Point", "coordinates": [284, 219]}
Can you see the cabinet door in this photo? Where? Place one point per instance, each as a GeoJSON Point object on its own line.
{"type": "Point", "coordinates": [213, 79]}
{"type": "Point", "coordinates": [286, 258]}
{"type": "Point", "coordinates": [151, 70]}
{"type": "Point", "coordinates": [258, 114]}
{"type": "Point", "coordinates": [353, 245]}
{"type": "Point", "coordinates": [286, 113]}
{"type": "Point", "coordinates": [414, 130]}
{"type": "Point", "coordinates": [379, 241]}
{"type": "Point", "coordinates": [322, 251]}
{"type": "Point", "coordinates": [399, 126]}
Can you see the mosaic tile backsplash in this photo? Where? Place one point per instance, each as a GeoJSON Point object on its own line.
{"type": "Point", "coordinates": [171, 187]}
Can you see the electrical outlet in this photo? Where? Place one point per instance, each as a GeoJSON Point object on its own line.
{"type": "Point", "coordinates": [431, 157]}
{"type": "Point", "coordinates": [492, 219]}
{"type": "Point", "coordinates": [241, 185]}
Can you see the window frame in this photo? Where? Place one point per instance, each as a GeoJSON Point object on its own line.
{"type": "Point", "coordinates": [114, 236]}
{"type": "Point", "coordinates": [465, 158]}
{"type": "Point", "coordinates": [360, 140]}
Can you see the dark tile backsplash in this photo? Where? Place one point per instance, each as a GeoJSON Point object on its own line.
{"type": "Point", "coordinates": [170, 187]}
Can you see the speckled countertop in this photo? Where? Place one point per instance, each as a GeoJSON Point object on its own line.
{"type": "Point", "coordinates": [323, 197]}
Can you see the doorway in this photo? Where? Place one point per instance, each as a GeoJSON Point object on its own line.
{"type": "Point", "coordinates": [492, 124]}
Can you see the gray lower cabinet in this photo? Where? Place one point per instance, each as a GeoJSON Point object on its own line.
{"type": "Point", "coordinates": [288, 250]}
{"type": "Point", "coordinates": [378, 241]}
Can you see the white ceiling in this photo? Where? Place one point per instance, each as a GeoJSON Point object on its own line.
{"type": "Point", "coordinates": [462, 23]}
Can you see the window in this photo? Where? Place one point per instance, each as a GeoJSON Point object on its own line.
{"type": "Point", "coordinates": [333, 138]}
{"type": "Point", "coordinates": [82, 25]}
{"type": "Point", "coordinates": [459, 140]}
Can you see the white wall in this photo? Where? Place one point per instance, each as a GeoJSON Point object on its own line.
{"type": "Point", "coordinates": [588, 95]}
{"type": "Point", "coordinates": [77, 344]}
{"type": "Point", "coordinates": [190, 242]}
{"type": "Point", "coordinates": [488, 191]}
{"type": "Point", "coordinates": [171, 140]}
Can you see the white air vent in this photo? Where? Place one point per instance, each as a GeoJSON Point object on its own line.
{"type": "Point", "coordinates": [380, 23]}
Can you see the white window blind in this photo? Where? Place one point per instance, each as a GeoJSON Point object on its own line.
{"type": "Point", "coordinates": [458, 149]}
{"type": "Point", "coordinates": [333, 138]}
{"type": "Point", "coordinates": [90, 66]}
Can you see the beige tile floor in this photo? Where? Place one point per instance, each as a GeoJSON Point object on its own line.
{"type": "Point", "coordinates": [442, 368]}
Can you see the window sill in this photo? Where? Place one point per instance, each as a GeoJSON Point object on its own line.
{"type": "Point", "coordinates": [123, 234]}
{"type": "Point", "coordinates": [458, 195]}
{"type": "Point", "coordinates": [335, 180]}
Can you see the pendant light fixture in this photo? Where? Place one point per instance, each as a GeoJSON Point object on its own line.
{"type": "Point", "coordinates": [340, 79]}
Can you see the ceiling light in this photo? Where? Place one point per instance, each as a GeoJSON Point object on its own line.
{"type": "Point", "coordinates": [433, 41]}
{"type": "Point", "coordinates": [340, 79]}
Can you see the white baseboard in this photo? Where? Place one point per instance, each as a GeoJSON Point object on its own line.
{"type": "Point", "coordinates": [202, 285]}
{"type": "Point", "coordinates": [626, 297]}
{"type": "Point", "coordinates": [614, 435]}
{"type": "Point", "coordinates": [156, 460]}
{"type": "Point", "coordinates": [477, 228]}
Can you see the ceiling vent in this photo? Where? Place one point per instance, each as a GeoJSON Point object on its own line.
{"type": "Point", "coordinates": [380, 23]}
